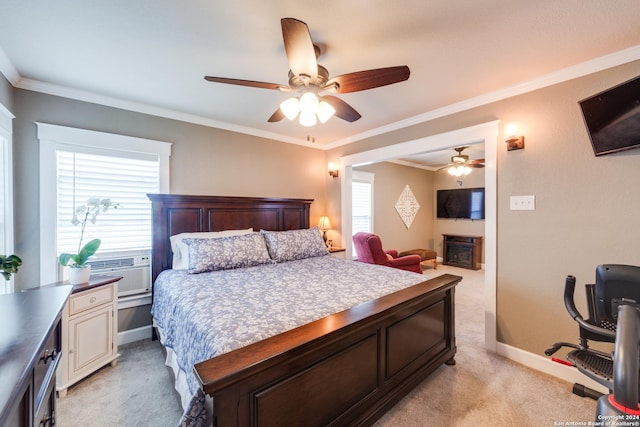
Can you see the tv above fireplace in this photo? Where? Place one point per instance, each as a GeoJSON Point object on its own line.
{"type": "Point", "coordinates": [612, 118]}
{"type": "Point", "coordinates": [461, 203]}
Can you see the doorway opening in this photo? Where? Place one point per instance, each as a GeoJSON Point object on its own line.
{"type": "Point", "coordinates": [486, 133]}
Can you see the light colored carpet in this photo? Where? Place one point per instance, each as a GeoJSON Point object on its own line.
{"type": "Point", "coordinates": [137, 392]}
{"type": "Point", "coordinates": [483, 389]}
{"type": "Point", "coordinates": [480, 390]}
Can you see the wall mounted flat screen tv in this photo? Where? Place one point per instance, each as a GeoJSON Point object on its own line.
{"type": "Point", "coordinates": [612, 118]}
{"type": "Point", "coordinates": [462, 203]}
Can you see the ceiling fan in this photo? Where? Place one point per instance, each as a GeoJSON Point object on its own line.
{"type": "Point", "coordinates": [309, 81]}
{"type": "Point", "coordinates": [460, 163]}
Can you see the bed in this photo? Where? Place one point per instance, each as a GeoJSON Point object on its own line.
{"type": "Point", "coordinates": [362, 336]}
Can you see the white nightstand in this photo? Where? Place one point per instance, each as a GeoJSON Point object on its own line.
{"type": "Point", "coordinates": [89, 330]}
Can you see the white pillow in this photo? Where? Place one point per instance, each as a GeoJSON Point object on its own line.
{"type": "Point", "coordinates": [181, 251]}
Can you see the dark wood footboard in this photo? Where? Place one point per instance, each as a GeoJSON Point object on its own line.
{"type": "Point", "coordinates": [345, 369]}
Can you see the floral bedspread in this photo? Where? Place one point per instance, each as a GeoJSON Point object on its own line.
{"type": "Point", "coordinates": [208, 314]}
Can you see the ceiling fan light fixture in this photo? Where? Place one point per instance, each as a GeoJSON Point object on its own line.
{"type": "Point", "coordinates": [307, 118]}
{"type": "Point", "coordinates": [290, 108]}
{"type": "Point", "coordinates": [325, 111]}
{"type": "Point", "coordinates": [309, 102]}
{"type": "Point", "coordinates": [309, 108]}
{"type": "Point", "coordinates": [459, 170]}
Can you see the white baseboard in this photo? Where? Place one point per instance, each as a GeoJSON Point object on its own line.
{"type": "Point", "coordinates": [547, 366]}
{"type": "Point", "coordinates": [132, 335]}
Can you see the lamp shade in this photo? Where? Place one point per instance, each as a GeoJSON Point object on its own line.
{"type": "Point", "coordinates": [459, 170]}
{"type": "Point", "coordinates": [290, 108]}
{"type": "Point", "coordinates": [307, 118]}
{"type": "Point", "coordinates": [324, 223]}
{"type": "Point", "coordinates": [325, 111]}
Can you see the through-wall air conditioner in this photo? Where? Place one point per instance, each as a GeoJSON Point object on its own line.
{"type": "Point", "coordinates": [135, 272]}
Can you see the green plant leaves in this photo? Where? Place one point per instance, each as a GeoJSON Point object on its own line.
{"type": "Point", "coordinates": [80, 259]}
{"type": "Point", "coordinates": [9, 265]}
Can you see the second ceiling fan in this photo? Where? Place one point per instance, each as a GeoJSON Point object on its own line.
{"type": "Point", "coordinates": [309, 81]}
{"type": "Point", "coordinates": [461, 165]}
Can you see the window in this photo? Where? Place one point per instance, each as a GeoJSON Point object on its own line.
{"type": "Point", "coordinates": [6, 192]}
{"type": "Point", "coordinates": [125, 181]}
{"type": "Point", "coordinates": [361, 203]}
{"type": "Point", "coordinates": [76, 165]}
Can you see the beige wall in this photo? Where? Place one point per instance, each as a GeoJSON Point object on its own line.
{"type": "Point", "coordinates": [465, 227]}
{"type": "Point", "coordinates": [6, 93]}
{"type": "Point", "coordinates": [203, 161]}
{"type": "Point", "coordinates": [390, 181]}
{"type": "Point", "coordinates": [586, 207]}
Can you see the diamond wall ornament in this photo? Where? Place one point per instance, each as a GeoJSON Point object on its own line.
{"type": "Point", "coordinates": [407, 206]}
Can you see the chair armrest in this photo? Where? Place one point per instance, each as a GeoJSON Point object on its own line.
{"type": "Point", "coordinates": [569, 287]}
{"type": "Point", "coordinates": [392, 252]}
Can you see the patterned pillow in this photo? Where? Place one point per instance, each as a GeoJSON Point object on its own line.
{"type": "Point", "coordinates": [225, 253]}
{"type": "Point", "coordinates": [295, 244]}
{"type": "Point", "coordinates": [181, 252]}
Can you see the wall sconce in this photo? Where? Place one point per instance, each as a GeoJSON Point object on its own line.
{"type": "Point", "coordinates": [324, 224]}
{"type": "Point", "coordinates": [333, 171]}
{"type": "Point", "coordinates": [514, 142]}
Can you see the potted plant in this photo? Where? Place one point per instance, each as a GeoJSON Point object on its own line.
{"type": "Point", "coordinates": [79, 270]}
{"type": "Point", "coordinates": [9, 265]}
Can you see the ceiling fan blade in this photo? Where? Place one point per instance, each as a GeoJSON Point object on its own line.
{"type": "Point", "coordinates": [478, 163]}
{"type": "Point", "coordinates": [343, 110]}
{"type": "Point", "coordinates": [369, 79]}
{"type": "Point", "coordinates": [299, 47]}
{"type": "Point", "coordinates": [249, 83]}
{"type": "Point", "coordinates": [276, 116]}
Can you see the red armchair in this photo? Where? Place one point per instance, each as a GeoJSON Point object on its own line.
{"type": "Point", "coordinates": [369, 249]}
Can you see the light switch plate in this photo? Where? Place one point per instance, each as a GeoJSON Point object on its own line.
{"type": "Point", "coordinates": [522, 203]}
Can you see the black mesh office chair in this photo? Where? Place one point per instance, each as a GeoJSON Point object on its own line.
{"type": "Point", "coordinates": [615, 285]}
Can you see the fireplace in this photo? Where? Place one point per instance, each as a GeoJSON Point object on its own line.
{"type": "Point", "coordinates": [462, 251]}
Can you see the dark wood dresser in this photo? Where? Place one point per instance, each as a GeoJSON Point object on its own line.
{"type": "Point", "coordinates": [30, 342]}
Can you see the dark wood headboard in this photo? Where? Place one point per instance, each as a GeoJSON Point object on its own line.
{"type": "Point", "coordinates": [173, 214]}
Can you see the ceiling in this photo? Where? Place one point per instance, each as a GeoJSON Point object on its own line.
{"type": "Point", "coordinates": [437, 160]}
{"type": "Point", "coordinates": [151, 55]}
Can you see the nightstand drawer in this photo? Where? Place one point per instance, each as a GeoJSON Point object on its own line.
{"type": "Point", "coordinates": [89, 299]}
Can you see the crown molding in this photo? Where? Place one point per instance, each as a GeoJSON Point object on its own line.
{"type": "Point", "coordinates": [415, 165]}
{"type": "Point", "coordinates": [80, 95]}
{"type": "Point", "coordinates": [7, 68]}
{"type": "Point", "coordinates": [565, 74]}
{"type": "Point", "coordinates": [579, 70]}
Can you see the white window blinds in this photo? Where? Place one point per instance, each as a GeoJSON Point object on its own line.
{"type": "Point", "coordinates": [361, 207]}
{"type": "Point", "coordinates": [361, 203]}
{"type": "Point", "coordinates": [124, 180]}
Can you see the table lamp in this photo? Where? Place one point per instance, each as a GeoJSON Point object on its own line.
{"type": "Point", "coordinates": [324, 224]}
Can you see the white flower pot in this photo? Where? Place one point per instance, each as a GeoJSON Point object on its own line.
{"type": "Point", "coordinates": [80, 275]}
